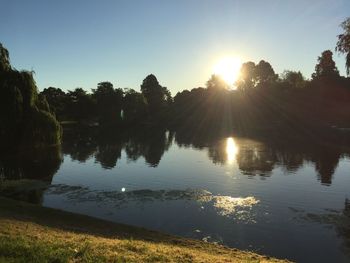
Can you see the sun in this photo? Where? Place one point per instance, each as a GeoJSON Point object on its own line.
{"type": "Point", "coordinates": [228, 68]}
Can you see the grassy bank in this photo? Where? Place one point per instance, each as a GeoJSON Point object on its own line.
{"type": "Point", "coordinates": [30, 233]}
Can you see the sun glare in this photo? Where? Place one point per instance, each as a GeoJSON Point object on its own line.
{"type": "Point", "coordinates": [231, 150]}
{"type": "Point", "coordinates": [228, 69]}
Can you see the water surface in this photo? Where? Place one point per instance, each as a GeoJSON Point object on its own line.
{"type": "Point", "coordinates": [286, 199]}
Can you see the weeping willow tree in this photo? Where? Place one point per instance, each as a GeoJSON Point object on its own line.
{"type": "Point", "coordinates": [25, 117]}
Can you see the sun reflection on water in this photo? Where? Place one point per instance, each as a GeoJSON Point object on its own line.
{"type": "Point", "coordinates": [228, 205]}
{"type": "Point", "coordinates": [231, 150]}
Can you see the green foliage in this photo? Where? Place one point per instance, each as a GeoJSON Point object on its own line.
{"type": "Point", "coordinates": [41, 127]}
{"type": "Point", "coordinates": [4, 59]}
{"type": "Point", "coordinates": [22, 250]}
{"type": "Point", "coordinates": [11, 106]}
{"type": "Point", "coordinates": [343, 44]}
{"type": "Point", "coordinates": [25, 117]}
{"type": "Point", "coordinates": [57, 99]}
{"type": "Point", "coordinates": [42, 103]}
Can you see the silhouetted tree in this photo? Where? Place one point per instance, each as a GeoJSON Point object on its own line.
{"type": "Point", "coordinates": [157, 97]}
{"type": "Point", "coordinates": [57, 100]}
{"type": "Point", "coordinates": [247, 77]}
{"type": "Point", "coordinates": [25, 117]}
{"type": "Point", "coordinates": [134, 107]}
{"type": "Point", "coordinates": [4, 59]}
{"type": "Point", "coordinates": [216, 83]}
{"type": "Point", "coordinates": [343, 44]}
{"type": "Point", "coordinates": [264, 73]}
{"type": "Point", "coordinates": [80, 105]}
{"type": "Point", "coordinates": [252, 75]}
{"type": "Point", "coordinates": [326, 66]}
{"type": "Point", "coordinates": [293, 79]}
{"type": "Point", "coordinates": [108, 102]}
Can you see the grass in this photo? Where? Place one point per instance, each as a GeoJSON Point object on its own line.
{"type": "Point", "coordinates": [31, 233]}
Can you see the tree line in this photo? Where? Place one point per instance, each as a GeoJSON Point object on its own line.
{"type": "Point", "coordinates": [260, 92]}
{"type": "Point", "coordinates": [110, 106]}
{"type": "Point", "coordinates": [263, 101]}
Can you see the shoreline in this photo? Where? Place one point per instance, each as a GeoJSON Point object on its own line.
{"type": "Point", "coordinates": [35, 234]}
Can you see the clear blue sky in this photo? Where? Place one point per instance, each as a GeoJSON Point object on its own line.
{"type": "Point", "coordinates": [79, 43]}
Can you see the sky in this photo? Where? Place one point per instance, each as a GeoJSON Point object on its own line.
{"type": "Point", "coordinates": [80, 43]}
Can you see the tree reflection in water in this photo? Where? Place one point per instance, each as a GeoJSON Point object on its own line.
{"type": "Point", "coordinates": [253, 157]}
{"type": "Point", "coordinates": [37, 164]}
{"type": "Point", "coordinates": [339, 220]}
{"type": "Point", "coordinates": [25, 176]}
{"type": "Point", "coordinates": [107, 148]}
{"type": "Point", "coordinates": [260, 157]}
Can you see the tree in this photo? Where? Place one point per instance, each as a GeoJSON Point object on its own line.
{"type": "Point", "coordinates": [264, 73]}
{"type": "Point", "coordinates": [25, 117]}
{"type": "Point", "coordinates": [134, 106]}
{"type": "Point", "coordinates": [326, 66]}
{"type": "Point", "coordinates": [216, 83]}
{"type": "Point", "coordinates": [4, 59]}
{"type": "Point", "coordinates": [108, 102]}
{"type": "Point", "coordinates": [247, 76]}
{"type": "Point", "coordinates": [80, 105]}
{"type": "Point", "coordinates": [293, 79]}
{"type": "Point", "coordinates": [343, 44]}
{"type": "Point", "coordinates": [157, 97]}
{"type": "Point", "coordinates": [57, 100]}
{"type": "Point", "coordinates": [252, 76]}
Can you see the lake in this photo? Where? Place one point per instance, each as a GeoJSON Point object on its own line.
{"type": "Point", "coordinates": [287, 199]}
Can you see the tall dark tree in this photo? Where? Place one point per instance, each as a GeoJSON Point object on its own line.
{"type": "Point", "coordinates": [134, 106]}
{"type": "Point", "coordinates": [326, 66]}
{"type": "Point", "coordinates": [57, 100]}
{"type": "Point", "coordinates": [157, 97]}
{"type": "Point", "coordinates": [108, 102]}
{"type": "Point", "coordinates": [264, 73]}
{"type": "Point", "coordinates": [80, 105]}
{"type": "Point", "coordinates": [343, 44]}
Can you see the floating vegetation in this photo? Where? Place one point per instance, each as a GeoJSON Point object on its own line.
{"type": "Point", "coordinates": [338, 220]}
{"type": "Point", "coordinates": [228, 206]}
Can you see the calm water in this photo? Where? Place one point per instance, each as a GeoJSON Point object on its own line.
{"type": "Point", "coordinates": [288, 199]}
